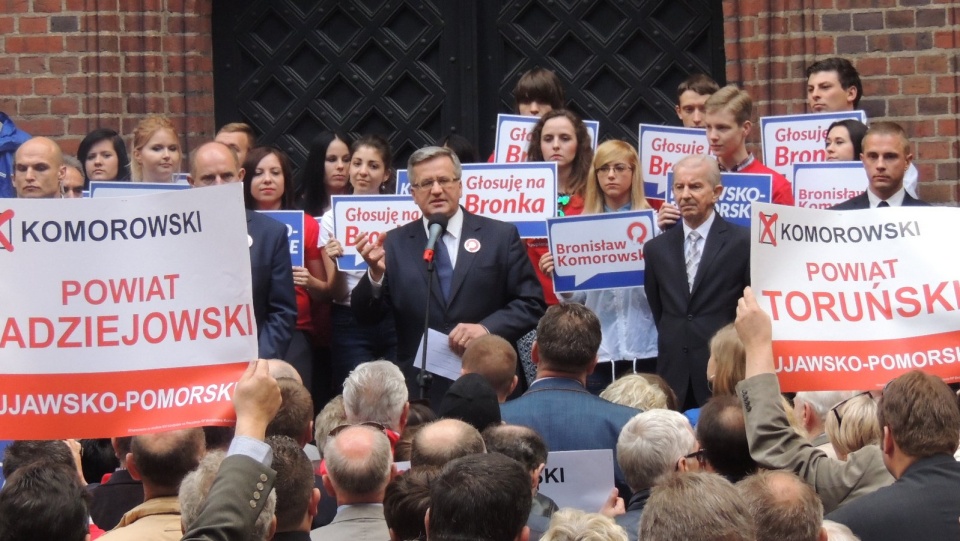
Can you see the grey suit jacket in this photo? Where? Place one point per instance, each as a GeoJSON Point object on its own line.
{"type": "Point", "coordinates": [355, 523]}
{"type": "Point", "coordinates": [236, 499]}
{"type": "Point", "coordinates": [775, 445]}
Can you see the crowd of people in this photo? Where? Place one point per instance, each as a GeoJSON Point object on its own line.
{"type": "Point", "coordinates": [674, 376]}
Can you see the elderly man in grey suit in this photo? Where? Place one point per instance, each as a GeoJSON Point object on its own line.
{"type": "Point", "coordinates": [359, 467]}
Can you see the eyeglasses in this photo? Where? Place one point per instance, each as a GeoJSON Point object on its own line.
{"type": "Point", "coordinates": [368, 424]}
{"type": "Point", "coordinates": [618, 169]}
{"type": "Point", "coordinates": [427, 185]}
{"type": "Point", "coordinates": [836, 409]}
{"type": "Point", "coordinates": [699, 454]}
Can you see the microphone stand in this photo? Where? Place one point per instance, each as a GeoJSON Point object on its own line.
{"type": "Point", "coordinates": [425, 379]}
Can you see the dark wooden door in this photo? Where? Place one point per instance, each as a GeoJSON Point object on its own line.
{"type": "Point", "coordinates": [416, 70]}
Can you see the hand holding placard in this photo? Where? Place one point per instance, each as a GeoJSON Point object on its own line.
{"type": "Point", "coordinates": [755, 331]}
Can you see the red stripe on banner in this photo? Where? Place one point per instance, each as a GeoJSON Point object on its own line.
{"type": "Point", "coordinates": [864, 365]}
{"type": "Point", "coordinates": [108, 404]}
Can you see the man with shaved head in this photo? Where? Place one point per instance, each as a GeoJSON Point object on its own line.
{"type": "Point", "coordinates": [38, 169]}
{"type": "Point", "coordinates": [161, 461]}
{"type": "Point", "coordinates": [274, 302]}
{"type": "Point", "coordinates": [359, 467]}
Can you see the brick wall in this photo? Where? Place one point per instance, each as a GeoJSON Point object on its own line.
{"type": "Point", "coordinates": [69, 66]}
{"type": "Point", "coordinates": [907, 53]}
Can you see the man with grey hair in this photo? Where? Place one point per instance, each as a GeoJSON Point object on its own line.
{"type": "Point", "coordinates": [376, 392]}
{"type": "Point", "coordinates": [653, 445]}
{"type": "Point", "coordinates": [71, 185]}
{"type": "Point", "coordinates": [693, 279]}
{"type": "Point", "coordinates": [196, 487]}
{"type": "Point", "coordinates": [359, 467]}
{"type": "Point", "coordinates": [811, 408]}
{"type": "Point", "coordinates": [784, 508]}
{"type": "Point", "coordinates": [484, 283]}
{"type": "Point", "coordinates": [696, 506]}
{"type": "Point", "coordinates": [443, 440]}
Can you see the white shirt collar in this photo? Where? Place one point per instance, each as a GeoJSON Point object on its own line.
{"type": "Point", "coordinates": [454, 225]}
{"type": "Point", "coordinates": [895, 200]}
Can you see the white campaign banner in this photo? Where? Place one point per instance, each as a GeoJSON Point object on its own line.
{"type": "Point", "coordinates": [579, 479]}
{"type": "Point", "coordinates": [786, 140]}
{"type": "Point", "coordinates": [123, 314]}
{"type": "Point", "coordinates": [858, 297]}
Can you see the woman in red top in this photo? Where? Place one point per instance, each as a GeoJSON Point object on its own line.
{"type": "Point", "coordinates": [268, 185]}
{"type": "Point", "coordinates": [560, 136]}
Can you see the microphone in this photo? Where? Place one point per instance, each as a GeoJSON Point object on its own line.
{"type": "Point", "coordinates": [437, 224]}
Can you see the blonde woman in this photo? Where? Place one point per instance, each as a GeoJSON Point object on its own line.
{"type": "Point", "coordinates": [629, 333]}
{"type": "Point", "coordinates": [157, 153]}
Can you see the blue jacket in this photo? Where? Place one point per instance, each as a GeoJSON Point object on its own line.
{"type": "Point", "coordinates": [11, 138]}
{"type": "Point", "coordinates": [569, 418]}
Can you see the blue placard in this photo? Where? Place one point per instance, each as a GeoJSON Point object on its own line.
{"type": "Point", "coordinates": [112, 188]}
{"type": "Point", "coordinates": [403, 182]}
{"type": "Point", "coordinates": [513, 136]}
{"type": "Point", "coordinates": [790, 139]}
{"type": "Point", "coordinates": [523, 194]}
{"type": "Point", "coordinates": [293, 219]}
{"type": "Point", "coordinates": [373, 215]}
{"type": "Point", "coordinates": [599, 251]}
{"type": "Point", "coordinates": [824, 184]}
{"type": "Point", "coordinates": [660, 147]}
{"type": "Point", "coordinates": [740, 191]}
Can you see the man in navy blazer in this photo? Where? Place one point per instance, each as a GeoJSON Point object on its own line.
{"type": "Point", "coordinates": [274, 301]}
{"type": "Point", "coordinates": [492, 289]}
{"type": "Point", "coordinates": [886, 157]}
{"type": "Point", "coordinates": [558, 405]}
{"type": "Point", "coordinates": [693, 287]}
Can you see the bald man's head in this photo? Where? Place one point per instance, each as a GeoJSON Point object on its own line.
{"type": "Point", "coordinates": [38, 169]}
{"type": "Point", "coordinates": [442, 441]}
{"type": "Point", "coordinates": [214, 163]}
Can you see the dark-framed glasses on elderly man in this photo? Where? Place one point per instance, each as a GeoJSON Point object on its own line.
{"type": "Point", "coordinates": [367, 424]}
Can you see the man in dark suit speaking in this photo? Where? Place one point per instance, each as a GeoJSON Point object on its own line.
{"type": "Point", "coordinates": [886, 157]}
{"type": "Point", "coordinates": [484, 282]}
{"type": "Point", "coordinates": [274, 302]}
{"type": "Point", "coordinates": [693, 278]}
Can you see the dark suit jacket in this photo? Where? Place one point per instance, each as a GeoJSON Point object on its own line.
{"type": "Point", "coordinates": [495, 286]}
{"type": "Point", "coordinates": [274, 301]}
{"type": "Point", "coordinates": [112, 499]}
{"type": "Point", "coordinates": [687, 320]}
{"type": "Point", "coordinates": [234, 502]}
{"type": "Point", "coordinates": [863, 202]}
{"type": "Point", "coordinates": [923, 504]}
{"type": "Point", "coordinates": [569, 418]}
